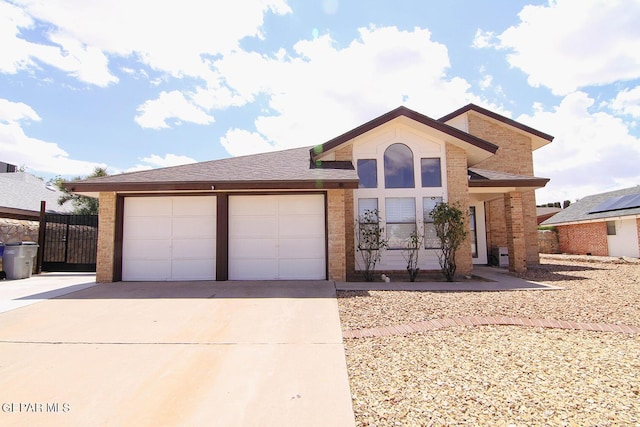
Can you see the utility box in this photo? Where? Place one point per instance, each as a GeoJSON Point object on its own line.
{"type": "Point", "coordinates": [501, 255]}
{"type": "Point", "coordinates": [17, 260]}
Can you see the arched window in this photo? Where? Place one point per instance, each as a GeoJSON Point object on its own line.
{"type": "Point", "coordinates": [398, 167]}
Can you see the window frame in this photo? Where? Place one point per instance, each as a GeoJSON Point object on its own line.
{"type": "Point", "coordinates": [427, 221]}
{"type": "Point", "coordinates": [422, 172]}
{"type": "Point", "coordinates": [394, 243]}
{"type": "Point", "coordinates": [406, 171]}
{"type": "Point", "coordinates": [361, 167]}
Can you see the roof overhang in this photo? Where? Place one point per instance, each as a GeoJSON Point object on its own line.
{"type": "Point", "coordinates": [538, 139]}
{"type": "Point", "coordinates": [93, 189]}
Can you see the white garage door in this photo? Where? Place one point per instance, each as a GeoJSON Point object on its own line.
{"type": "Point", "coordinates": [169, 238]}
{"type": "Point", "coordinates": [277, 237]}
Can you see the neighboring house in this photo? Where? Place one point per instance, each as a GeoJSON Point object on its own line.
{"type": "Point", "coordinates": [291, 214]}
{"type": "Point", "coordinates": [21, 195]}
{"type": "Point", "coordinates": [544, 213]}
{"type": "Point", "coordinates": [606, 224]}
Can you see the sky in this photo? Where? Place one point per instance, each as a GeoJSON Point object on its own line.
{"type": "Point", "coordinates": [138, 84]}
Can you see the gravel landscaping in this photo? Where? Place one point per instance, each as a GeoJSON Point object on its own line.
{"type": "Point", "coordinates": [502, 375]}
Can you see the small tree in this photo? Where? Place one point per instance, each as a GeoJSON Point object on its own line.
{"type": "Point", "coordinates": [370, 241]}
{"type": "Point", "coordinates": [410, 254]}
{"type": "Point", "coordinates": [449, 222]}
{"type": "Point", "coordinates": [82, 205]}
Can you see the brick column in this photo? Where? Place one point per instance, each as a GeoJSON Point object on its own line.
{"type": "Point", "coordinates": [514, 216]}
{"type": "Point", "coordinates": [106, 237]}
{"type": "Point", "coordinates": [458, 192]}
{"type": "Point", "coordinates": [336, 242]}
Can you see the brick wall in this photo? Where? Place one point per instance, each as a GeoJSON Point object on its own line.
{"type": "Point", "coordinates": [106, 237]}
{"type": "Point", "coordinates": [514, 156]}
{"type": "Point", "coordinates": [638, 229]}
{"type": "Point", "coordinates": [336, 240]}
{"type": "Point", "coordinates": [458, 192]}
{"type": "Point", "coordinates": [583, 239]}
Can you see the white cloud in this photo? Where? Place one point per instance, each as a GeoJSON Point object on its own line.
{"type": "Point", "coordinates": [155, 161]}
{"type": "Point", "coordinates": [240, 142]}
{"type": "Point", "coordinates": [484, 39]}
{"type": "Point", "coordinates": [627, 102]}
{"type": "Point", "coordinates": [592, 151]}
{"type": "Point", "coordinates": [17, 148]}
{"type": "Point", "coordinates": [567, 44]}
{"type": "Point", "coordinates": [170, 37]}
{"type": "Point", "coordinates": [319, 90]}
{"type": "Point", "coordinates": [170, 105]}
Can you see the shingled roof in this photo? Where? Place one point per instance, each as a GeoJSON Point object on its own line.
{"type": "Point", "coordinates": [21, 194]}
{"type": "Point", "coordinates": [287, 169]}
{"type": "Point", "coordinates": [580, 211]}
{"type": "Point", "coordinates": [489, 178]}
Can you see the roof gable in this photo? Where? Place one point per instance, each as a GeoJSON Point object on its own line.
{"type": "Point", "coordinates": [540, 138]}
{"type": "Point", "coordinates": [450, 131]}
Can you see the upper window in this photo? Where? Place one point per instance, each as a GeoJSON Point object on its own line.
{"type": "Point", "coordinates": [368, 173]}
{"type": "Point", "coordinates": [398, 167]}
{"type": "Point", "coordinates": [431, 176]}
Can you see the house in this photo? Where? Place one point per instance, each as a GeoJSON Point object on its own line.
{"type": "Point", "coordinates": [21, 195]}
{"type": "Point", "coordinates": [606, 224]}
{"type": "Point", "coordinates": [291, 214]}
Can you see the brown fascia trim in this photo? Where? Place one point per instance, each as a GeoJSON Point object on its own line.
{"type": "Point", "coordinates": [406, 112]}
{"type": "Point", "coordinates": [208, 186]}
{"type": "Point", "coordinates": [19, 214]}
{"type": "Point", "coordinates": [498, 117]}
{"type": "Point", "coordinates": [533, 182]}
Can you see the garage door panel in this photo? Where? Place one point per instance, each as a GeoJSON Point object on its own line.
{"type": "Point", "coordinates": [195, 206]}
{"type": "Point", "coordinates": [147, 249]}
{"type": "Point", "coordinates": [301, 248]}
{"type": "Point", "coordinates": [307, 269]}
{"type": "Point", "coordinates": [253, 227]}
{"type": "Point", "coordinates": [142, 227]}
{"type": "Point", "coordinates": [192, 269]}
{"type": "Point", "coordinates": [306, 225]}
{"type": "Point", "coordinates": [142, 206]}
{"type": "Point", "coordinates": [300, 205]}
{"type": "Point", "coordinates": [146, 270]}
{"type": "Point", "coordinates": [193, 227]}
{"type": "Point", "coordinates": [253, 248]}
{"type": "Point", "coordinates": [194, 248]}
{"type": "Point", "coordinates": [252, 269]}
{"type": "Point", "coordinates": [253, 206]}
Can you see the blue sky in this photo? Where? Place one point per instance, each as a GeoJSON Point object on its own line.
{"type": "Point", "coordinates": [132, 85]}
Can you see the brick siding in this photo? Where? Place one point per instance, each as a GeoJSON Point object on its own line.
{"type": "Point", "coordinates": [581, 239]}
{"type": "Point", "coordinates": [336, 240]}
{"type": "Point", "coordinates": [514, 156]}
{"type": "Point", "coordinates": [106, 238]}
{"type": "Point", "coordinates": [458, 192]}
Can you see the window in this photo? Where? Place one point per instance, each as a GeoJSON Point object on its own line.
{"type": "Point", "coordinates": [431, 240]}
{"type": "Point", "coordinates": [431, 176]}
{"type": "Point", "coordinates": [367, 210]}
{"type": "Point", "coordinates": [474, 235]}
{"type": "Point", "coordinates": [611, 228]}
{"type": "Point", "coordinates": [368, 173]}
{"type": "Point", "coordinates": [398, 167]}
{"type": "Point", "coordinates": [401, 220]}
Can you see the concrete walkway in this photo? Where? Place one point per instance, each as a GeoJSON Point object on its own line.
{"type": "Point", "coordinates": [41, 287]}
{"type": "Point", "coordinates": [168, 354]}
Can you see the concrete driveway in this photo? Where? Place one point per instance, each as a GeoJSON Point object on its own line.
{"type": "Point", "coordinates": [165, 354]}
